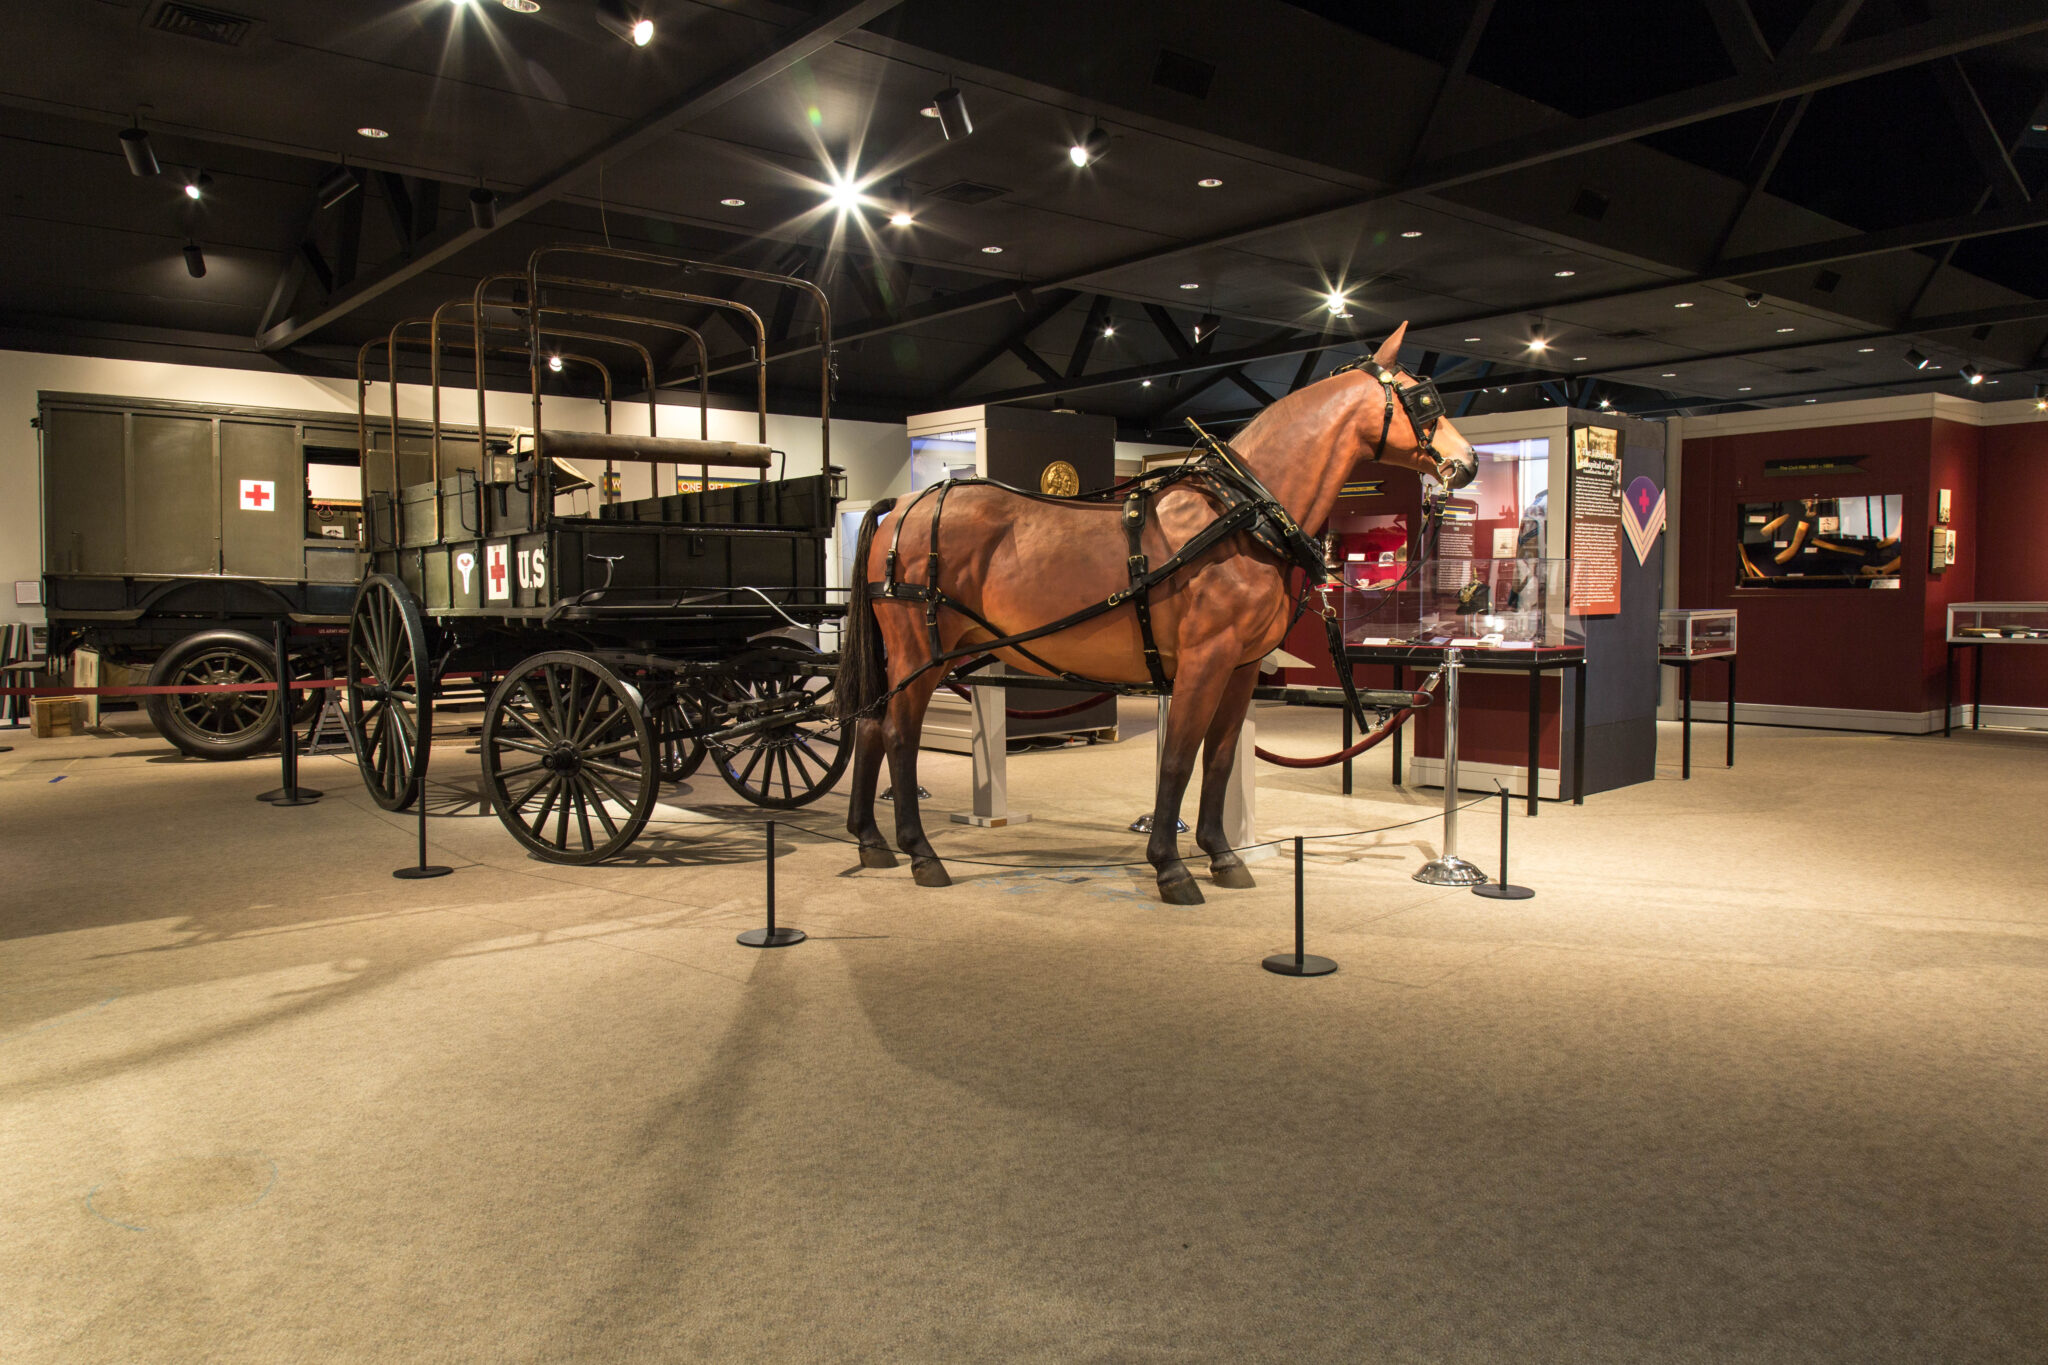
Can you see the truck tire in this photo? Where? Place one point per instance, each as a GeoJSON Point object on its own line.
{"type": "Point", "coordinates": [218, 725]}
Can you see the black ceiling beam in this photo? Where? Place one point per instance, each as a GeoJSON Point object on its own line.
{"type": "Point", "coordinates": [1179, 399]}
{"type": "Point", "coordinates": [1258, 395]}
{"type": "Point", "coordinates": [1966, 26]}
{"type": "Point", "coordinates": [1043, 311]}
{"type": "Point", "coordinates": [1476, 20]}
{"type": "Point", "coordinates": [1822, 27]}
{"type": "Point", "coordinates": [1740, 35]}
{"type": "Point", "coordinates": [1981, 135]}
{"type": "Point", "coordinates": [1084, 345]}
{"type": "Point", "coordinates": [398, 206]}
{"type": "Point", "coordinates": [1035, 362]}
{"type": "Point", "coordinates": [833, 22]}
{"type": "Point", "coordinates": [1306, 370]}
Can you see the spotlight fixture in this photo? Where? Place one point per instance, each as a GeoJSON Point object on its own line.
{"type": "Point", "coordinates": [844, 195]}
{"type": "Point", "coordinates": [2041, 398]}
{"type": "Point", "coordinates": [1538, 344]}
{"type": "Point", "coordinates": [1337, 304]}
{"type": "Point", "coordinates": [1605, 403]}
{"type": "Point", "coordinates": [340, 183]}
{"type": "Point", "coordinates": [901, 218]}
{"type": "Point", "coordinates": [198, 185]}
{"type": "Point", "coordinates": [1753, 299]}
{"type": "Point", "coordinates": [141, 156]}
{"type": "Point", "coordinates": [991, 251]}
{"type": "Point", "coordinates": [1108, 328]}
{"type": "Point", "coordinates": [1971, 374]}
{"type": "Point", "coordinates": [950, 109]}
{"type": "Point", "coordinates": [522, 6]}
{"type": "Point", "coordinates": [734, 203]}
{"type": "Point", "coordinates": [195, 261]}
{"type": "Point", "coordinates": [374, 134]}
{"type": "Point", "coordinates": [1089, 149]}
{"type": "Point", "coordinates": [555, 363]}
{"type": "Point", "coordinates": [1915, 358]}
{"type": "Point", "coordinates": [1146, 384]}
{"type": "Point", "coordinates": [483, 209]}
{"type": "Point", "coordinates": [930, 111]}
{"type": "Point", "coordinates": [625, 20]}
{"type": "Point", "coordinates": [1210, 182]}
{"type": "Point", "coordinates": [1191, 285]}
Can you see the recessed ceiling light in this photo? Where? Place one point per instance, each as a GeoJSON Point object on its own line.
{"type": "Point", "coordinates": [991, 251]}
{"type": "Point", "coordinates": [1744, 389]}
{"type": "Point", "coordinates": [1411, 233]}
{"type": "Point", "coordinates": [1473, 338]}
{"type": "Point", "coordinates": [1865, 350]}
{"type": "Point", "coordinates": [1578, 358]}
{"type": "Point", "coordinates": [1335, 302]}
{"type": "Point", "coordinates": [1210, 182]}
{"type": "Point", "coordinates": [1787, 329]}
{"type": "Point", "coordinates": [1191, 285]}
{"type": "Point", "coordinates": [191, 189]}
{"type": "Point", "coordinates": [1813, 400]}
{"type": "Point", "coordinates": [555, 363]}
{"type": "Point", "coordinates": [372, 133]}
{"type": "Point", "coordinates": [2039, 127]}
{"type": "Point", "coordinates": [522, 6]}
{"type": "Point", "coordinates": [734, 203]}
{"type": "Point", "coordinates": [1565, 274]}
{"type": "Point", "coordinates": [1145, 384]}
{"type": "Point", "coordinates": [1681, 305]}
{"type": "Point", "coordinates": [900, 218]}
{"type": "Point", "coordinates": [1537, 344]}
{"type": "Point", "coordinates": [1668, 374]}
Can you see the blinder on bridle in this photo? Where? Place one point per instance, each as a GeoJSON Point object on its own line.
{"type": "Point", "coordinates": [1419, 399]}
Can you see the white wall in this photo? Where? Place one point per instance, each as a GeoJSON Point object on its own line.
{"type": "Point", "coordinates": [876, 456]}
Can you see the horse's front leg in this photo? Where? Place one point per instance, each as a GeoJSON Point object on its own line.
{"type": "Point", "coordinates": [1219, 758]}
{"type": "Point", "coordinates": [1198, 684]}
{"type": "Point", "coordinates": [860, 810]}
{"type": "Point", "coordinates": [901, 727]}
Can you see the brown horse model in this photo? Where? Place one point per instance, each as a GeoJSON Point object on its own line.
{"type": "Point", "coordinates": [1021, 564]}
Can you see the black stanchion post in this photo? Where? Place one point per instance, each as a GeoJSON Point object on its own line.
{"type": "Point", "coordinates": [1300, 962]}
{"type": "Point", "coordinates": [428, 682]}
{"type": "Point", "coordinates": [291, 793]}
{"type": "Point", "coordinates": [771, 937]}
{"type": "Point", "coordinates": [1503, 890]}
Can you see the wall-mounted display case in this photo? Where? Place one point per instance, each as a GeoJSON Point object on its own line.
{"type": "Point", "coordinates": [1821, 542]}
{"type": "Point", "coordinates": [1989, 623]}
{"type": "Point", "coordinates": [1689, 633]}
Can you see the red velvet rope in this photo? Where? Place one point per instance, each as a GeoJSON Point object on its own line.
{"type": "Point", "coordinates": [1394, 723]}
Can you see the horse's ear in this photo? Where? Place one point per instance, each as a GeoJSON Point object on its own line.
{"type": "Point", "coordinates": [1389, 353]}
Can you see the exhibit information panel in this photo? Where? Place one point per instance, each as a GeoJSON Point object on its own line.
{"type": "Point", "coordinates": [1594, 544]}
{"type": "Point", "coordinates": [1684, 633]}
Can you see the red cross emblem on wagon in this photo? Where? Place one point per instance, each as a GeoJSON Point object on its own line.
{"type": "Point", "coordinates": [259, 495]}
{"type": "Point", "coordinates": [497, 581]}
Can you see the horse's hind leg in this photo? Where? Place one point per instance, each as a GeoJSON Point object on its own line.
{"type": "Point", "coordinates": [901, 727]}
{"type": "Point", "coordinates": [860, 811]}
{"type": "Point", "coordinates": [1219, 758]}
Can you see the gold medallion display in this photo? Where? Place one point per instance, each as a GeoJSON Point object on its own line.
{"type": "Point", "coordinates": [1060, 479]}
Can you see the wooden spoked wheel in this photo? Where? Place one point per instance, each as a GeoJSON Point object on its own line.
{"type": "Point", "coordinates": [782, 766]}
{"type": "Point", "coordinates": [569, 758]}
{"type": "Point", "coordinates": [390, 709]}
{"type": "Point", "coordinates": [680, 753]}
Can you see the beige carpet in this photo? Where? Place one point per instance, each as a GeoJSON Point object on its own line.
{"type": "Point", "coordinates": [1758, 1076]}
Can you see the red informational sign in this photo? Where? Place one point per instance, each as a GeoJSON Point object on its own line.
{"type": "Point", "coordinates": [1595, 538]}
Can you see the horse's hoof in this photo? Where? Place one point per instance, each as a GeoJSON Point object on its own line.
{"type": "Point", "coordinates": [1234, 875]}
{"type": "Point", "coordinates": [1180, 890]}
{"type": "Point", "coordinates": [929, 872]}
{"type": "Point", "coordinates": [874, 855]}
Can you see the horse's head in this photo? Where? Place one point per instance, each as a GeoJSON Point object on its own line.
{"type": "Point", "coordinates": [1434, 445]}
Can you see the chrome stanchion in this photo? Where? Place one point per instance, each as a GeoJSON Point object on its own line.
{"type": "Point", "coordinates": [1450, 869]}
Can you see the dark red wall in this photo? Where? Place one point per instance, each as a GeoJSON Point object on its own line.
{"type": "Point", "coordinates": [1854, 649]}
{"type": "Point", "coordinates": [2012, 552]}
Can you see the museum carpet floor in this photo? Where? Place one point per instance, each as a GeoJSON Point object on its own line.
{"type": "Point", "coordinates": [1757, 1076]}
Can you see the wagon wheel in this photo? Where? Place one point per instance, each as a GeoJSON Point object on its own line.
{"type": "Point", "coordinates": [390, 711]}
{"type": "Point", "coordinates": [680, 755]}
{"type": "Point", "coordinates": [783, 766]}
{"type": "Point", "coordinates": [569, 758]}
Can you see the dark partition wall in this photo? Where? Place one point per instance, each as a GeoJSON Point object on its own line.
{"type": "Point", "coordinates": [1621, 649]}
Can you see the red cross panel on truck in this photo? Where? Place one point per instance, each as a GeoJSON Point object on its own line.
{"type": "Point", "coordinates": [497, 574]}
{"type": "Point", "coordinates": [259, 495]}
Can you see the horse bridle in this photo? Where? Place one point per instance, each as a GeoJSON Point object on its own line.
{"type": "Point", "coordinates": [1419, 399]}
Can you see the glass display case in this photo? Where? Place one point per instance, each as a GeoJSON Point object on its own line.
{"type": "Point", "coordinates": [1981, 623]}
{"type": "Point", "coordinates": [1510, 603]}
{"type": "Point", "coordinates": [1799, 543]}
{"type": "Point", "coordinates": [1695, 633]}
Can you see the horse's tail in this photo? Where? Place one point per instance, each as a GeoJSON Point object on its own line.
{"type": "Point", "coordinates": [863, 673]}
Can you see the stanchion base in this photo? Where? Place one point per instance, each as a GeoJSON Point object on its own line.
{"type": "Point", "coordinates": [1494, 891]}
{"type": "Point", "coordinates": [961, 817]}
{"type": "Point", "coordinates": [414, 874]}
{"type": "Point", "coordinates": [1287, 964]}
{"type": "Point", "coordinates": [276, 796]}
{"type": "Point", "coordinates": [770, 938]}
{"type": "Point", "coordinates": [1451, 871]}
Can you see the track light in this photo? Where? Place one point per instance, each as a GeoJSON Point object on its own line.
{"type": "Point", "coordinates": [1971, 374]}
{"type": "Point", "coordinates": [141, 156]}
{"type": "Point", "coordinates": [195, 261]}
{"type": "Point", "coordinates": [1753, 299]}
{"type": "Point", "coordinates": [952, 115]}
{"type": "Point", "coordinates": [555, 363]}
{"type": "Point", "coordinates": [1090, 148]}
{"type": "Point", "coordinates": [901, 202]}
{"type": "Point", "coordinates": [340, 183]}
{"type": "Point", "coordinates": [198, 185]}
{"type": "Point", "coordinates": [1915, 358]}
{"type": "Point", "coordinates": [483, 209]}
{"type": "Point", "coordinates": [2041, 398]}
{"type": "Point", "coordinates": [622, 18]}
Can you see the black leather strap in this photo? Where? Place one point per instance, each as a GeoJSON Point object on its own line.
{"type": "Point", "coordinates": [1141, 599]}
